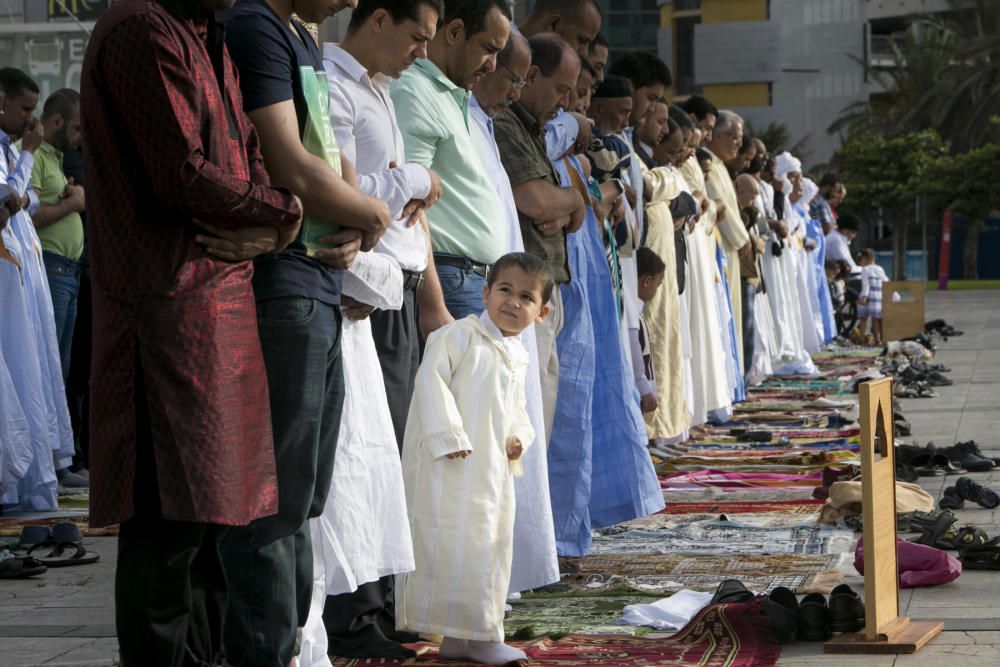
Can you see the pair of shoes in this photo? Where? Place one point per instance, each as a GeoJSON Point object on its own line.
{"type": "Point", "coordinates": [818, 618]}
{"type": "Point", "coordinates": [831, 475]}
{"type": "Point", "coordinates": [782, 607]}
{"type": "Point", "coordinates": [969, 456]}
{"type": "Point", "coordinates": [966, 489]}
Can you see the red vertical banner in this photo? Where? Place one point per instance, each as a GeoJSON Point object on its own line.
{"type": "Point", "coordinates": [944, 261]}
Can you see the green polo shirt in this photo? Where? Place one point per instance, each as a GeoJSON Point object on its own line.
{"type": "Point", "coordinates": [64, 238]}
{"type": "Point", "coordinates": [433, 116]}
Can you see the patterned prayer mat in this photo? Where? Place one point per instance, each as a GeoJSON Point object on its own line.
{"type": "Point", "coordinates": [725, 635]}
{"type": "Point", "coordinates": [728, 538]}
{"type": "Point", "coordinates": [669, 573]}
{"type": "Point", "coordinates": [809, 506]}
{"type": "Point", "coordinates": [757, 494]}
{"type": "Point", "coordinates": [554, 616]}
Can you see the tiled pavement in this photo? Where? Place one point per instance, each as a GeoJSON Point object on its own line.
{"type": "Point", "coordinates": [67, 617]}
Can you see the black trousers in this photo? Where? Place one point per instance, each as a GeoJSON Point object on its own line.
{"type": "Point", "coordinates": [366, 616]}
{"type": "Point", "coordinates": [170, 588]}
{"type": "Point", "coordinates": [397, 340]}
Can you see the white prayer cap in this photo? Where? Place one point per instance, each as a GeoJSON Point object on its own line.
{"type": "Point", "coordinates": [560, 135]}
{"type": "Point", "coordinates": [785, 164]}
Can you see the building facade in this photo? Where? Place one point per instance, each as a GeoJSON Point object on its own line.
{"type": "Point", "coordinates": [795, 62]}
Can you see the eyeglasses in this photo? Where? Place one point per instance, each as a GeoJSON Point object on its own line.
{"type": "Point", "coordinates": [515, 81]}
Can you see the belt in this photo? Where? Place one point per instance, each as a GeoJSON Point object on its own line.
{"type": "Point", "coordinates": [412, 280]}
{"type": "Point", "coordinates": [463, 263]}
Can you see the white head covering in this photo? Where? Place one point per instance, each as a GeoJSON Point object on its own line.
{"type": "Point", "coordinates": [785, 164]}
{"type": "Point", "coordinates": [809, 190]}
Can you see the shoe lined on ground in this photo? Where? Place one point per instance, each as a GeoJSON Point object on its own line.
{"type": "Point", "coordinates": [814, 619]}
{"type": "Point", "coordinates": [976, 492]}
{"type": "Point", "coordinates": [950, 500]}
{"type": "Point", "coordinates": [731, 590]}
{"type": "Point", "coordinates": [981, 556]}
{"type": "Point", "coordinates": [847, 611]}
{"type": "Point", "coordinates": [969, 456]}
{"type": "Point", "coordinates": [783, 614]}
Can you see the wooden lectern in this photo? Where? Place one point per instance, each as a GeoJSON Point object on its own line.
{"type": "Point", "coordinates": [885, 630]}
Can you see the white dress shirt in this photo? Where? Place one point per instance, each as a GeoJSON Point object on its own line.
{"type": "Point", "coordinates": [838, 248]}
{"type": "Point", "coordinates": [364, 122]}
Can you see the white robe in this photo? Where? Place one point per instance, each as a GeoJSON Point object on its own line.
{"type": "Point", "coordinates": [710, 384]}
{"type": "Point", "coordinates": [782, 287]}
{"type": "Point", "coordinates": [535, 562]}
{"type": "Point", "coordinates": [363, 533]}
{"type": "Point", "coordinates": [17, 446]}
{"type": "Point", "coordinates": [469, 396]}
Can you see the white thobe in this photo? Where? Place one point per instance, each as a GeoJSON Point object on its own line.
{"type": "Point", "coordinates": [469, 396]}
{"type": "Point", "coordinates": [52, 431]}
{"type": "Point", "coordinates": [363, 533]}
{"type": "Point", "coordinates": [535, 561]}
{"type": "Point", "coordinates": [734, 236]}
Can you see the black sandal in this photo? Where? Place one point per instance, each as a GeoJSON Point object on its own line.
{"type": "Point", "coordinates": [20, 567]}
{"type": "Point", "coordinates": [981, 556]}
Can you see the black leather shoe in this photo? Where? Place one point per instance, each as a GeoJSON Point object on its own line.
{"type": "Point", "coordinates": [847, 611]}
{"type": "Point", "coordinates": [783, 614]}
{"type": "Point", "coordinates": [731, 590]}
{"type": "Point", "coordinates": [814, 619]}
{"type": "Point", "coordinates": [968, 455]}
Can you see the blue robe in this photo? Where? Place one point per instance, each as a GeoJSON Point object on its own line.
{"type": "Point", "coordinates": [814, 231]}
{"type": "Point", "coordinates": [600, 473]}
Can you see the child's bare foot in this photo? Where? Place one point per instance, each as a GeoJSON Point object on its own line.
{"type": "Point", "coordinates": [494, 653]}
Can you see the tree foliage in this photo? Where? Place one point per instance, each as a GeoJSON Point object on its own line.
{"type": "Point", "coordinates": [944, 75]}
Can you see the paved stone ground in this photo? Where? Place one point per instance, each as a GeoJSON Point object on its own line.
{"type": "Point", "coordinates": [67, 617]}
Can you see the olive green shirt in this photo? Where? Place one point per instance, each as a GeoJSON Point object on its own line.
{"type": "Point", "coordinates": [521, 142]}
{"type": "Point", "coordinates": [65, 237]}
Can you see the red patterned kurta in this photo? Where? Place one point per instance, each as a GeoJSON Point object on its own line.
{"type": "Point", "coordinates": [164, 148]}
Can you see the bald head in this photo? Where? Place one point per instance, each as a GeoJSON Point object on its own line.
{"type": "Point", "coordinates": [747, 190]}
{"type": "Point", "coordinates": [576, 21]}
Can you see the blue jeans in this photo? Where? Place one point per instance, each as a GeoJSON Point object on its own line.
{"type": "Point", "coordinates": [64, 285]}
{"type": "Point", "coordinates": [463, 291]}
{"type": "Point", "coordinates": [269, 562]}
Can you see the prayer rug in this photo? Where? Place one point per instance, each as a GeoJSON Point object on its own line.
{"type": "Point", "coordinates": [554, 616]}
{"type": "Point", "coordinates": [654, 573]}
{"type": "Point", "coordinates": [808, 506]}
{"type": "Point", "coordinates": [722, 635]}
{"type": "Point", "coordinates": [727, 538]}
{"type": "Point", "coordinates": [757, 494]}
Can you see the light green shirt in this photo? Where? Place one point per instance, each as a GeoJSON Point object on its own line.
{"type": "Point", "coordinates": [64, 238]}
{"type": "Point", "coordinates": [433, 117]}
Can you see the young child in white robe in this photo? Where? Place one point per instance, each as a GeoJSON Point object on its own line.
{"type": "Point", "coordinates": [465, 433]}
{"type": "Point", "coordinates": [652, 271]}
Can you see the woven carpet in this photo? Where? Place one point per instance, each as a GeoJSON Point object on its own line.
{"type": "Point", "coordinates": [727, 538]}
{"type": "Point", "coordinates": [557, 615]}
{"type": "Point", "coordinates": [810, 506]}
{"type": "Point", "coordinates": [726, 635]}
{"type": "Point", "coordinates": [668, 573]}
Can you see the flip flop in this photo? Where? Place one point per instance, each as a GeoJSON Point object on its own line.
{"type": "Point", "coordinates": [67, 548]}
{"type": "Point", "coordinates": [20, 567]}
{"type": "Point", "coordinates": [64, 554]}
{"type": "Point", "coordinates": [933, 533]}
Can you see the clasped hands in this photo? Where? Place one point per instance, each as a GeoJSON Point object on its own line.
{"type": "Point", "coordinates": [514, 451]}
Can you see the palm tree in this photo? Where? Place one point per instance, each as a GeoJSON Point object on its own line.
{"type": "Point", "coordinates": [945, 75]}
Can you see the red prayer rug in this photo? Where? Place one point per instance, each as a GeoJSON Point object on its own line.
{"type": "Point", "coordinates": [722, 635]}
{"type": "Point", "coordinates": [809, 506]}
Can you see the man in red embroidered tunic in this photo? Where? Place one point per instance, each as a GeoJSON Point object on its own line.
{"type": "Point", "coordinates": [181, 431]}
